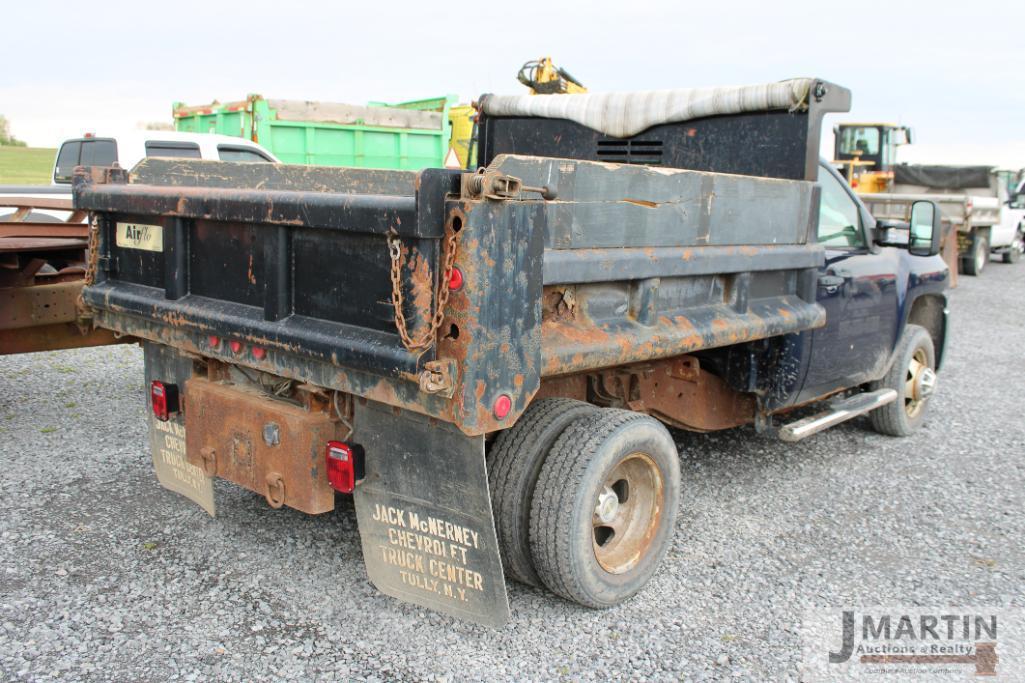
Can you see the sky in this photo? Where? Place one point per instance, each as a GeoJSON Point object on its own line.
{"type": "Point", "coordinates": [954, 71]}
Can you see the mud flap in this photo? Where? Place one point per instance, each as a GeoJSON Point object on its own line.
{"type": "Point", "coordinates": [167, 439]}
{"type": "Point", "coordinates": [424, 515]}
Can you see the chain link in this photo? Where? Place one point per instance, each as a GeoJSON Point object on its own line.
{"type": "Point", "coordinates": [92, 257]}
{"type": "Point", "coordinates": [426, 340]}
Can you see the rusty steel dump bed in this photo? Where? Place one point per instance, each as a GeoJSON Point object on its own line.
{"type": "Point", "coordinates": [413, 314]}
{"type": "Point", "coordinates": [626, 264]}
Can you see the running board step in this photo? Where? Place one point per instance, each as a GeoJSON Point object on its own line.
{"type": "Point", "coordinates": [841, 411]}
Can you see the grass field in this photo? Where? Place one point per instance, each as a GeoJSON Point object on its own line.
{"type": "Point", "coordinates": [25, 165]}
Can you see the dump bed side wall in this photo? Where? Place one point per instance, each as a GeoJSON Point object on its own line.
{"type": "Point", "coordinates": [644, 263]}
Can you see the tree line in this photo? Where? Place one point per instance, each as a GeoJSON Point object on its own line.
{"type": "Point", "coordinates": [6, 139]}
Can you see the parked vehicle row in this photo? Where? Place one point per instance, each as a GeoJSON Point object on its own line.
{"type": "Point", "coordinates": [985, 205]}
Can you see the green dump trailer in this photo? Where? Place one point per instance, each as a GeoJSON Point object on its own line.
{"type": "Point", "coordinates": [408, 135]}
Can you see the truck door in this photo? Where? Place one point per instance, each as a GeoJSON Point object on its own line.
{"type": "Point", "coordinates": [858, 289]}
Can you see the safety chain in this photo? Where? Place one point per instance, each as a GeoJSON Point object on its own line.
{"type": "Point", "coordinates": [92, 257]}
{"type": "Point", "coordinates": [427, 340]}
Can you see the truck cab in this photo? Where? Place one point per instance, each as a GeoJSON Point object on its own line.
{"type": "Point", "coordinates": [129, 148]}
{"type": "Point", "coordinates": [871, 286]}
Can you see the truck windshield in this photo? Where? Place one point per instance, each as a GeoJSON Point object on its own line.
{"type": "Point", "coordinates": [862, 139]}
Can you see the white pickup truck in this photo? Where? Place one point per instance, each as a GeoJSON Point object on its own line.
{"type": "Point", "coordinates": [985, 204]}
{"type": "Point", "coordinates": [127, 149]}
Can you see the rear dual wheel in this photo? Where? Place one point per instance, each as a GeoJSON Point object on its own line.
{"type": "Point", "coordinates": [1014, 252]}
{"type": "Point", "coordinates": [978, 254]}
{"type": "Point", "coordinates": [514, 465]}
{"type": "Point", "coordinates": [604, 508]}
{"type": "Point", "coordinates": [602, 504]}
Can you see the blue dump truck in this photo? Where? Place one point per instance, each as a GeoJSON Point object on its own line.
{"type": "Point", "coordinates": [488, 361]}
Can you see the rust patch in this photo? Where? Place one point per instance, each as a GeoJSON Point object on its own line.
{"type": "Point", "coordinates": [640, 202]}
{"type": "Point", "coordinates": [246, 437]}
{"type": "Point", "coordinates": [678, 391]}
{"type": "Point", "coordinates": [423, 291]}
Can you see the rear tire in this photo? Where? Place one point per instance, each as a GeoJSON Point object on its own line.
{"type": "Point", "coordinates": [605, 506]}
{"type": "Point", "coordinates": [913, 377]}
{"type": "Point", "coordinates": [1013, 253]}
{"type": "Point", "coordinates": [978, 255]}
{"type": "Point", "coordinates": [515, 462]}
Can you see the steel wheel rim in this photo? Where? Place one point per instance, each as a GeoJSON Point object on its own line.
{"type": "Point", "coordinates": [982, 256]}
{"type": "Point", "coordinates": [627, 513]}
{"type": "Point", "coordinates": [919, 381]}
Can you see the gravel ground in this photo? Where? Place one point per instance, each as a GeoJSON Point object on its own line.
{"type": "Point", "coordinates": [104, 575]}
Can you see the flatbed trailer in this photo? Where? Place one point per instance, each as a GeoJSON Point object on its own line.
{"type": "Point", "coordinates": [42, 271]}
{"type": "Point", "coordinates": [448, 346]}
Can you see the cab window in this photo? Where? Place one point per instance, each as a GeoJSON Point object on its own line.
{"type": "Point", "coordinates": [864, 140]}
{"type": "Point", "coordinates": [67, 159]}
{"type": "Point", "coordinates": [178, 150]}
{"type": "Point", "coordinates": [98, 153]}
{"type": "Point", "coordinates": [231, 153]}
{"type": "Point", "coordinates": [839, 220]}
{"type": "Point", "coordinates": [88, 152]}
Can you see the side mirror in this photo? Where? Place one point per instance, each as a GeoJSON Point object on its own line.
{"type": "Point", "coordinates": [926, 229]}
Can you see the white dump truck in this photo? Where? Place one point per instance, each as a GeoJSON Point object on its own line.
{"type": "Point", "coordinates": [986, 204]}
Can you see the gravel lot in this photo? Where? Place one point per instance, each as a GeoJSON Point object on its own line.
{"type": "Point", "coordinates": [104, 575]}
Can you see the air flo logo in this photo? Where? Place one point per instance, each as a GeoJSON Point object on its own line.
{"type": "Point", "coordinates": [912, 643]}
{"type": "Point", "coordinates": [140, 236]}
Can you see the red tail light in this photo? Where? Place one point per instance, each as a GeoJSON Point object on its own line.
{"type": "Point", "coordinates": [503, 404]}
{"type": "Point", "coordinates": [164, 398]}
{"type": "Point", "coordinates": [259, 353]}
{"type": "Point", "coordinates": [456, 280]}
{"type": "Point", "coordinates": [235, 346]}
{"type": "Point", "coordinates": [214, 341]}
{"type": "Point", "coordinates": [344, 466]}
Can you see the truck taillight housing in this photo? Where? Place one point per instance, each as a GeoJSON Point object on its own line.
{"type": "Point", "coordinates": [344, 466]}
{"type": "Point", "coordinates": [164, 398]}
{"type": "Point", "coordinates": [503, 404]}
{"type": "Point", "coordinates": [455, 281]}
